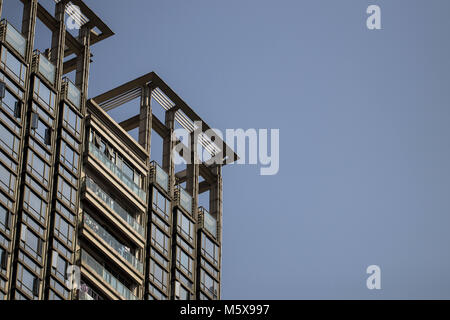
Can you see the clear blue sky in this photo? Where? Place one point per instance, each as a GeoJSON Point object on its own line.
{"type": "Point", "coordinates": [364, 126]}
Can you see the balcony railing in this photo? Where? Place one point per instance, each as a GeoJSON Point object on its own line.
{"type": "Point", "coordinates": [209, 222]}
{"type": "Point", "coordinates": [107, 276]}
{"type": "Point", "coordinates": [161, 177]}
{"type": "Point", "coordinates": [14, 38]}
{"type": "Point", "coordinates": [45, 67]}
{"type": "Point", "coordinates": [112, 242]}
{"type": "Point", "coordinates": [84, 296]}
{"type": "Point", "coordinates": [114, 206]}
{"type": "Point", "coordinates": [73, 94]}
{"type": "Point", "coordinates": [185, 200]}
{"type": "Point", "coordinates": [117, 171]}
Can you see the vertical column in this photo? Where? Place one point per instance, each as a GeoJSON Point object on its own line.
{"type": "Point", "coordinates": [145, 119]}
{"type": "Point", "coordinates": [81, 81]}
{"type": "Point", "coordinates": [83, 61]}
{"type": "Point", "coordinates": [192, 177]}
{"type": "Point", "coordinates": [1, 7]}
{"type": "Point", "coordinates": [28, 25]}
{"type": "Point", "coordinates": [168, 146]}
{"type": "Point", "coordinates": [58, 44]}
{"type": "Point", "coordinates": [56, 56]}
{"type": "Point", "coordinates": [215, 207]}
{"type": "Point", "coordinates": [192, 173]}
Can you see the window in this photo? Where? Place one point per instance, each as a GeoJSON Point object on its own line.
{"type": "Point", "coordinates": [38, 168]}
{"type": "Point", "coordinates": [42, 132]}
{"type": "Point", "coordinates": [43, 114]}
{"type": "Point", "coordinates": [3, 259]}
{"type": "Point", "coordinates": [62, 249]}
{"type": "Point", "coordinates": [156, 219]}
{"type": "Point", "coordinates": [27, 281]}
{"type": "Point", "coordinates": [67, 193]}
{"type": "Point", "coordinates": [32, 224]}
{"type": "Point", "coordinates": [72, 121]}
{"type": "Point", "coordinates": [183, 293]}
{"type": "Point", "coordinates": [63, 230]}
{"type": "Point", "coordinates": [159, 275]}
{"type": "Point", "coordinates": [159, 258]}
{"type": "Point", "coordinates": [155, 291]}
{"type": "Point", "coordinates": [184, 245]}
{"type": "Point", "coordinates": [4, 218]}
{"type": "Point", "coordinates": [65, 212]}
{"type": "Point", "coordinates": [52, 296]}
{"type": "Point", "coordinates": [70, 140]}
{"type": "Point", "coordinates": [7, 161]}
{"type": "Point", "coordinates": [11, 86]}
{"type": "Point", "coordinates": [13, 66]}
{"type": "Point", "coordinates": [7, 180]}
{"type": "Point", "coordinates": [210, 250]}
{"type": "Point", "coordinates": [208, 284]}
{"type": "Point", "coordinates": [35, 205]}
{"type": "Point", "coordinates": [205, 264]}
{"type": "Point", "coordinates": [184, 262]}
{"type": "Point", "coordinates": [182, 278]}
{"type": "Point", "coordinates": [44, 95]}
{"type": "Point", "coordinates": [69, 157]}
{"type": "Point", "coordinates": [185, 226]}
{"type": "Point", "coordinates": [160, 240]}
{"type": "Point", "coordinates": [59, 266]}
{"type": "Point", "coordinates": [68, 175]}
{"type": "Point", "coordinates": [12, 105]}
{"type": "Point", "coordinates": [31, 243]}
{"type": "Point", "coordinates": [9, 141]}
{"type": "Point", "coordinates": [161, 205]}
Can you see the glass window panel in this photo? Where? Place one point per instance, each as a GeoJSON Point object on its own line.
{"type": "Point", "coordinates": [7, 180]}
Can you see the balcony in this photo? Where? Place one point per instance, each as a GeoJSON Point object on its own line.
{"type": "Point", "coordinates": [185, 200]}
{"type": "Point", "coordinates": [208, 221]}
{"type": "Point", "coordinates": [84, 296]}
{"type": "Point", "coordinates": [107, 276]}
{"type": "Point", "coordinates": [117, 172]}
{"type": "Point", "coordinates": [72, 93]}
{"type": "Point", "coordinates": [44, 67]}
{"type": "Point", "coordinates": [161, 177]}
{"type": "Point", "coordinates": [114, 206]}
{"type": "Point", "coordinates": [13, 37]}
{"type": "Point", "coordinates": [122, 250]}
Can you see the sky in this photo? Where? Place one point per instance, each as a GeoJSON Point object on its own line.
{"type": "Point", "coordinates": [363, 116]}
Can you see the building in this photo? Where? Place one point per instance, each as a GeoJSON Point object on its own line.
{"type": "Point", "coordinates": [84, 213]}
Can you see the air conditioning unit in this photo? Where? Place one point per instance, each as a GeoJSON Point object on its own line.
{"type": "Point", "coordinates": [34, 120]}
{"type": "Point", "coordinates": [2, 90]}
{"type": "Point", "coordinates": [18, 109]}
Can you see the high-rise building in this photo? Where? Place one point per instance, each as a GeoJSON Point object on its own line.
{"type": "Point", "coordinates": [84, 212]}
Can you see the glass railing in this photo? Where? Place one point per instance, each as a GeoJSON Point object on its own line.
{"type": "Point", "coordinates": [73, 94]}
{"type": "Point", "coordinates": [161, 177]}
{"type": "Point", "coordinates": [117, 171]}
{"type": "Point", "coordinates": [15, 39]}
{"type": "Point", "coordinates": [185, 200]}
{"type": "Point", "coordinates": [84, 296]}
{"type": "Point", "coordinates": [112, 242]}
{"type": "Point", "coordinates": [47, 69]}
{"type": "Point", "coordinates": [209, 222]}
{"type": "Point", "coordinates": [107, 276]}
{"type": "Point", "coordinates": [114, 206]}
